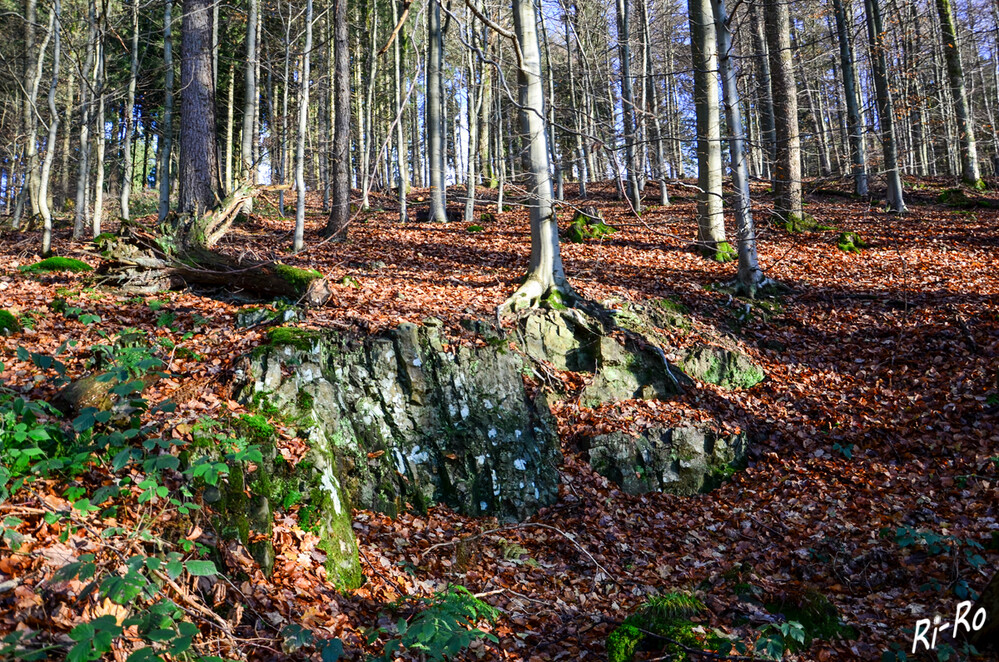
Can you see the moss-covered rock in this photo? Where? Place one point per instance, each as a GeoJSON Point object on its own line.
{"type": "Point", "coordinates": [407, 421]}
{"type": "Point", "coordinates": [289, 336]}
{"type": "Point", "coordinates": [722, 366]}
{"type": "Point", "coordinates": [850, 242]}
{"type": "Point", "coordinates": [682, 460]}
{"type": "Point", "coordinates": [298, 278]}
{"type": "Point", "coordinates": [475, 228]}
{"type": "Point", "coordinates": [8, 323]}
{"type": "Point", "coordinates": [51, 264]}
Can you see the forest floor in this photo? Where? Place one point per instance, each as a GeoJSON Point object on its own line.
{"type": "Point", "coordinates": [873, 478]}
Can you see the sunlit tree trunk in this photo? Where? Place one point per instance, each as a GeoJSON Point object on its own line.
{"type": "Point", "coordinates": [434, 121]}
{"type": "Point", "coordinates": [875, 36]}
{"type": "Point", "coordinates": [704, 50]}
{"type": "Point", "coordinates": [199, 176]}
{"type": "Point", "coordinates": [545, 274]}
{"type": "Point", "coordinates": [787, 170]}
{"type": "Point", "coordinates": [962, 112]}
{"type": "Point", "coordinates": [764, 94]}
{"type": "Point", "coordinates": [126, 182]}
{"type": "Point", "coordinates": [628, 103]}
{"type": "Point", "coordinates": [340, 194]}
{"type": "Point", "coordinates": [750, 277]}
{"type": "Point", "coordinates": [83, 176]}
{"type": "Point", "coordinates": [43, 198]}
{"type": "Point", "coordinates": [166, 130]}
{"type": "Point", "coordinates": [303, 118]}
{"type": "Point", "coordinates": [249, 166]}
{"type": "Point", "coordinates": [854, 122]}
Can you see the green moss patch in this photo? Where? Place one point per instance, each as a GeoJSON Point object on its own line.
{"type": "Point", "coordinates": [587, 224]}
{"type": "Point", "coordinates": [663, 624]}
{"type": "Point", "coordinates": [475, 228]}
{"type": "Point", "coordinates": [850, 242]}
{"type": "Point", "coordinates": [720, 252]}
{"type": "Point", "coordinates": [8, 323]}
{"type": "Point", "coordinates": [298, 278]}
{"type": "Point", "coordinates": [801, 223]}
{"type": "Point", "coordinates": [303, 339]}
{"type": "Point", "coordinates": [51, 264]}
{"type": "Point", "coordinates": [487, 217]}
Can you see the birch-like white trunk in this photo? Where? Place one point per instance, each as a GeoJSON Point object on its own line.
{"type": "Point", "coordinates": [303, 117]}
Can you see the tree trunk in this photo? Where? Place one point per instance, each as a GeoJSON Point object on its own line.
{"type": "Point", "coordinates": [340, 203]}
{"type": "Point", "coordinates": [628, 104]}
{"type": "Point", "coordinates": [400, 139]}
{"type": "Point", "coordinates": [200, 181]}
{"type": "Point", "coordinates": [710, 221]}
{"type": "Point", "coordinates": [955, 73]}
{"type": "Point", "coordinates": [126, 181]}
{"type": "Point", "coordinates": [875, 36]}
{"type": "Point", "coordinates": [303, 118]}
{"type": "Point", "coordinates": [763, 88]}
{"type": "Point", "coordinates": [750, 277]}
{"type": "Point", "coordinates": [248, 165]}
{"type": "Point", "coordinates": [854, 122]}
{"type": "Point", "coordinates": [434, 121]}
{"type": "Point", "coordinates": [166, 130]}
{"type": "Point", "coordinates": [43, 198]}
{"type": "Point", "coordinates": [787, 170]}
{"type": "Point", "coordinates": [545, 274]}
{"type": "Point", "coordinates": [99, 84]}
{"type": "Point", "coordinates": [83, 175]}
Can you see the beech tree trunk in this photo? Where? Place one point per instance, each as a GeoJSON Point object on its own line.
{"type": "Point", "coordinates": [166, 130]}
{"type": "Point", "coordinates": [434, 121]}
{"type": "Point", "coordinates": [340, 202]}
{"type": "Point", "coordinates": [43, 197]}
{"type": "Point", "coordinates": [248, 139]}
{"type": "Point", "coordinates": [545, 274]}
{"type": "Point", "coordinates": [128, 167]}
{"type": "Point", "coordinates": [886, 110]}
{"type": "Point", "coordinates": [628, 104]}
{"type": "Point", "coordinates": [970, 173]}
{"type": "Point", "coordinates": [704, 51]}
{"type": "Point", "coordinates": [750, 277]}
{"type": "Point", "coordinates": [303, 116]}
{"type": "Point", "coordinates": [854, 122]}
{"type": "Point", "coordinates": [787, 169]}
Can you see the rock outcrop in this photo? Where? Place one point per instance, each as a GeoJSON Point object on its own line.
{"type": "Point", "coordinates": [683, 460]}
{"type": "Point", "coordinates": [405, 418]}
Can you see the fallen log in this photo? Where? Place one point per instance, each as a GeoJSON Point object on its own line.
{"type": "Point", "coordinates": [140, 261]}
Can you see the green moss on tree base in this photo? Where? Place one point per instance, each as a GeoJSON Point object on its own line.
{"type": "Point", "coordinates": [298, 278]}
{"type": "Point", "coordinates": [8, 323]}
{"type": "Point", "coordinates": [50, 264]}
{"type": "Point", "coordinates": [720, 252]}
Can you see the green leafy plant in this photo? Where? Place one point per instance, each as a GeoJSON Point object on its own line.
{"type": "Point", "coordinates": [777, 638]}
{"type": "Point", "coordinates": [443, 625]}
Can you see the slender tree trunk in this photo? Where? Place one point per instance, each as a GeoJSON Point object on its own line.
{"type": "Point", "coordinates": [84, 162]}
{"type": "Point", "coordinates": [578, 121]}
{"type": "Point", "coordinates": [628, 103]}
{"type": "Point", "coordinates": [962, 111]}
{"type": "Point", "coordinates": [750, 277]}
{"type": "Point", "coordinates": [854, 122]}
{"type": "Point", "coordinates": [787, 171]}
{"type": "Point", "coordinates": [654, 109]}
{"type": "Point", "coordinates": [200, 181]}
{"type": "Point", "coordinates": [126, 182]}
{"type": "Point", "coordinates": [68, 121]}
{"type": "Point", "coordinates": [166, 130]}
{"type": "Point", "coordinates": [400, 139]}
{"type": "Point", "coordinates": [545, 274]}
{"type": "Point", "coordinates": [434, 121]}
{"type": "Point", "coordinates": [340, 203]}
{"type": "Point", "coordinates": [303, 118]}
{"type": "Point", "coordinates": [474, 106]}
{"type": "Point", "coordinates": [710, 221]}
{"type": "Point", "coordinates": [50, 142]}
{"type": "Point", "coordinates": [763, 87]}
{"type": "Point", "coordinates": [32, 80]}
{"type": "Point", "coordinates": [99, 84]}
{"type": "Point", "coordinates": [249, 166]}
{"type": "Point", "coordinates": [875, 36]}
